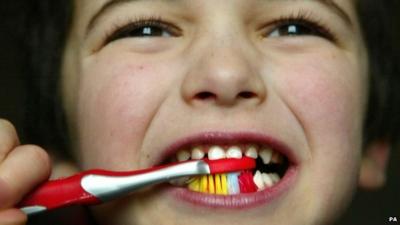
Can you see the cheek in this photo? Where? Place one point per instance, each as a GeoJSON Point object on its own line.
{"type": "Point", "coordinates": [328, 100]}
{"type": "Point", "coordinates": [326, 94]}
{"type": "Point", "coordinates": [117, 99]}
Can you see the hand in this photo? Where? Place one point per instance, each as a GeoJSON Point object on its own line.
{"type": "Point", "coordinates": [22, 167]}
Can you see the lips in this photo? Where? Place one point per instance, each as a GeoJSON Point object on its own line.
{"type": "Point", "coordinates": [241, 190]}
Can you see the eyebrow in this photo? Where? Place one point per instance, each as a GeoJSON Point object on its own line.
{"type": "Point", "coordinates": [331, 4]}
{"type": "Point", "coordinates": [337, 10]}
{"type": "Point", "coordinates": [106, 7]}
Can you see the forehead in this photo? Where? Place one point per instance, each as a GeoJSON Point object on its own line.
{"type": "Point", "coordinates": [88, 11]}
{"type": "Point", "coordinates": [90, 5]}
{"type": "Point", "coordinates": [102, 2]}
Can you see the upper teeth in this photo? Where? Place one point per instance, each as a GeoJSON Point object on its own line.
{"type": "Point", "coordinates": [235, 151]}
{"type": "Point", "coordinates": [251, 151]}
{"type": "Point", "coordinates": [183, 155]}
{"type": "Point", "coordinates": [265, 154]}
{"type": "Point", "coordinates": [216, 152]}
{"type": "Point", "coordinates": [197, 153]}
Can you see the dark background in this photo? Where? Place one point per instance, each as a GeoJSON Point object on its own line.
{"type": "Point", "coordinates": [367, 208]}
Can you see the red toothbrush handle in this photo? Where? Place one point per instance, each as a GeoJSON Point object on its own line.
{"type": "Point", "coordinates": [68, 191]}
{"type": "Point", "coordinates": [58, 193]}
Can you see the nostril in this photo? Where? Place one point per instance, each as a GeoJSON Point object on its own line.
{"type": "Point", "coordinates": [246, 94]}
{"type": "Point", "coordinates": [205, 95]}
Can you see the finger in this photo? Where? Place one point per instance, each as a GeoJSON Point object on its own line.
{"type": "Point", "coordinates": [24, 168]}
{"type": "Point", "coordinates": [12, 217]}
{"type": "Point", "coordinates": [8, 138]}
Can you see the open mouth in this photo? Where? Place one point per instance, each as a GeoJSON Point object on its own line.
{"type": "Point", "coordinates": [270, 168]}
{"type": "Point", "coordinates": [275, 169]}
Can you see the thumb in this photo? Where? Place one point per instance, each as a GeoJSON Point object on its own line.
{"type": "Point", "coordinates": [12, 217]}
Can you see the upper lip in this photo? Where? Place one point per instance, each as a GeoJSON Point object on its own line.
{"type": "Point", "coordinates": [223, 138]}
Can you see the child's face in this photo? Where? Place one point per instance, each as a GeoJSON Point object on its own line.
{"type": "Point", "coordinates": [228, 72]}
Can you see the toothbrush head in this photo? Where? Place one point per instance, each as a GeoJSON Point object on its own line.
{"type": "Point", "coordinates": [230, 165]}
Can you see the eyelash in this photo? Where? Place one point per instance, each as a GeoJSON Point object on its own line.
{"type": "Point", "coordinates": [301, 18]}
{"type": "Point", "coordinates": [119, 31]}
{"type": "Point", "coordinates": [308, 20]}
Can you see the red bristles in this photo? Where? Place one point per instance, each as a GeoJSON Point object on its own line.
{"type": "Point", "coordinates": [246, 182]}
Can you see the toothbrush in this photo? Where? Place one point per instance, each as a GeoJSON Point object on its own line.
{"type": "Point", "coordinates": [98, 186]}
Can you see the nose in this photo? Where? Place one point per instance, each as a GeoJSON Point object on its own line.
{"type": "Point", "coordinates": [224, 76]}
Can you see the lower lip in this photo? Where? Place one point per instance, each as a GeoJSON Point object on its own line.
{"type": "Point", "coordinates": [240, 201]}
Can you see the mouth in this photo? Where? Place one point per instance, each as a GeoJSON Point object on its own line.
{"type": "Point", "coordinates": [276, 167]}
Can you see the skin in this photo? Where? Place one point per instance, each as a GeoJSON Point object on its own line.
{"type": "Point", "coordinates": [120, 97]}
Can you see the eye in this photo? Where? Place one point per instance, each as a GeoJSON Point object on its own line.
{"type": "Point", "coordinates": [293, 30]}
{"type": "Point", "coordinates": [293, 27]}
{"type": "Point", "coordinates": [148, 31]}
{"type": "Point", "coordinates": [144, 28]}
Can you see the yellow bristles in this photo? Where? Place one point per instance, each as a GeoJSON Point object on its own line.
{"type": "Point", "coordinates": [224, 184]}
{"type": "Point", "coordinates": [194, 184]}
{"type": "Point", "coordinates": [203, 184]}
{"type": "Point", "coordinates": [218, 188]}
{"type": "Point", "coordinates": [211, 188]}
{"type": "Point", "coordinates": [213, 184]}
